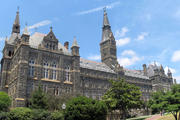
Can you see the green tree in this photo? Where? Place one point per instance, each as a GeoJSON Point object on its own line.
{"type": "Point", "coordinates": [82, 108]}
{"type": "Point", "coordinates": [5, 101]}
{"type": "Point", "coordinates": [38, 99]}
{"type": "Point", "coordinates": [168, 101]}
{"type": "Point", "coordinates": [172, 101]}
{"type": "Point", "coordinates": [122, 96]}
{"type": "Point", "coordinates": [157, 102]}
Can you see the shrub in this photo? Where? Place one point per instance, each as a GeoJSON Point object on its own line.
{"type": "Point", "coordinates": [40, 114]}
{"type": "Point", "coordinates": [5, 101]}
{"type": "Point", "coordinates": [57, 115]}
{"type": "Point", "coordinates": [82, 108]}
{"type": "Point", "coordinates": [20, 113]}
{"type": "Point", "coordinates": [4, 116]}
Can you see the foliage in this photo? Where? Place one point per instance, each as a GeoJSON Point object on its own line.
{"type": "Point", "coordinates": [55, 102]}
{"type": "Point", "coordinates": [20, 113]}
{"type": "Point", "coordinates": [5, 101]}
{"type": "Point", "coordinates": [39, 99]}
{"type": "Point", "coordinates": [82, 108]}
{"type": "Point", "coordinates": [169, 101]}
{"type": "Point", "coordinates": [57, 115]}
{"type": "Point", "coordinates": [40, 114]}
{"type": "Point", "coordinates": [157, 103]}
{"type": "Point", "coordinates": [4, 116]}
{"type": "Point", "coordinates": [122, 96]}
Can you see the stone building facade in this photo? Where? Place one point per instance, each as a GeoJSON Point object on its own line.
{"type": "Point", "coordinates": [39, 58]}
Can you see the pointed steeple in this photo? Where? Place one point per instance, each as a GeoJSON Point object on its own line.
{"type": "Point", "coordinates": [75, 43]}
{"type": "Point", "coordinates": [16, 25]}
{"type": "Point", "coordinates": [107, 33]}
{"type": "Point", "coordinates": [105, 20]}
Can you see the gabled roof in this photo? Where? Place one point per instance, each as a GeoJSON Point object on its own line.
{"type": "Point", "coordinates": [37, 38]}
{"type": "Point", "coordinates": [99, 66]}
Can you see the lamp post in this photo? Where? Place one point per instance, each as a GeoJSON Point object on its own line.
{"type": "Point", "coordinates": [63, 106]}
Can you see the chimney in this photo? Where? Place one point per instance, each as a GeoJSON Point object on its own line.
{"type": "Point", "coordinates": [66, 45]}
{"type": "Point", "coordinates": [144, 69]}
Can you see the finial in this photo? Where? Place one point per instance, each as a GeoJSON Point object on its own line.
{"type": "Point", "coordinates": [17, 9]}
{"type": "Point", "coordinates": [26, 32]}
{"type": "Point", "coordinates": [75, 42]}
{"type": "Point", "coordinates": [104, 9]}
{"type": "Point", "coordinates": [51, 28]}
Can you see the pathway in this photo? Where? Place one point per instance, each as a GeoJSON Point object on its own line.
{"type": "Point", "coordinates": [154, 117]}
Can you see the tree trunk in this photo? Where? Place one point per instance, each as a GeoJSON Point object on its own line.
{"type": "Point", "coordinates": [175, 116]}
{"type": "Point", "coordinates": [179, 115]}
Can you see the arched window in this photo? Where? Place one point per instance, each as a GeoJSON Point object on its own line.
{"type": "Point", "coordinates": [31, 68]}
{"type": "Point", "coordinates": [67, 74]}
{"type": "Point", "coordinates": [54, 72]}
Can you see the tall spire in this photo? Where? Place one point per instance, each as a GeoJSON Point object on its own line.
{"type": "Point", "coordinates": [16, 25]}
{"type": "Point", "coordinates": [105, 20]}
{"type": "Point", "coordinates": [106, 27]}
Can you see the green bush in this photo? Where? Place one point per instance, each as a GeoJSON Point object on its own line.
{"type": "Point", "coordinates": [57, 115]}
{"type": "Point", "coordinates": [40, 114]}
{"type": "Point", "coordinates": [82, 108]}
{"type": "Point", "coordinates": [4, 116]}
{"type": "Point", "coordinates": [5, 101]}
{"type": "Point", "coordinates": [20, 113]}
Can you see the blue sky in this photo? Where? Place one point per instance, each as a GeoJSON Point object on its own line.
{"type": "Point", "coordinates": [145, 30]}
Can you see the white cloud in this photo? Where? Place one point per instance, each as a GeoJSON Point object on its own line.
{"type": "Point", "coordinates": [2, 38]}
{"type": "Point", "coordinates": [128, 58]}
{"type": "Point", "coordinates": [142, 36]}
{"type": "Point", "coordinates": [171, 69]}
{"type": "Point", "coordinates": [94, 57]}
{"type": "Point", "coordinates": [110, 6]}
{"type": "Point", "coordinates": [122, 41]}
{"type": "Point", "coordinates": [176, 56]}
{"type": "Point", "coordinates": [121, 33]}
{"type": "Point", "coordinates": [40, 24]}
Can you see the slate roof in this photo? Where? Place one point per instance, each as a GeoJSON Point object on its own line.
{"type": "Point", "coordinates": [135, 73]}
{"type": "Point", "coordinates": [95, 65]}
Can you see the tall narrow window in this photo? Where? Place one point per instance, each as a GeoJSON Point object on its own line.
{"type": "Point", "coordinates": [46, 71]}
{"type": "Point", "coordinates": [67, 73]}
{"type": "Point", "coordinates": [54, 72]}
{"type": "Point", "coordinates": [54, 75]}
{"type": "Point", "coordinates": [31, 68]}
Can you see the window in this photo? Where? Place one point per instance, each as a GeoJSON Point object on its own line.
{"type": "Point", "coordinates": [31, 68]}
{"type": "Point", "coordinates": [46, 71]}
{"type": "Point", "coordinates": [47, 45]}
{"type": "Point", "coordinates": [67, 73]}
{"type": "Point", "coordinates": [54, 75]}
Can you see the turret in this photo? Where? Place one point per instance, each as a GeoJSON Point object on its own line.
{"type": "Point", "coordinates": [145, 69]}
{"type": "Point", "coordinates": [75, 48]}
{"type": "Point", "coordinates": [25, 36]}
{"type": "Point", "coordinates": [169, 73]}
